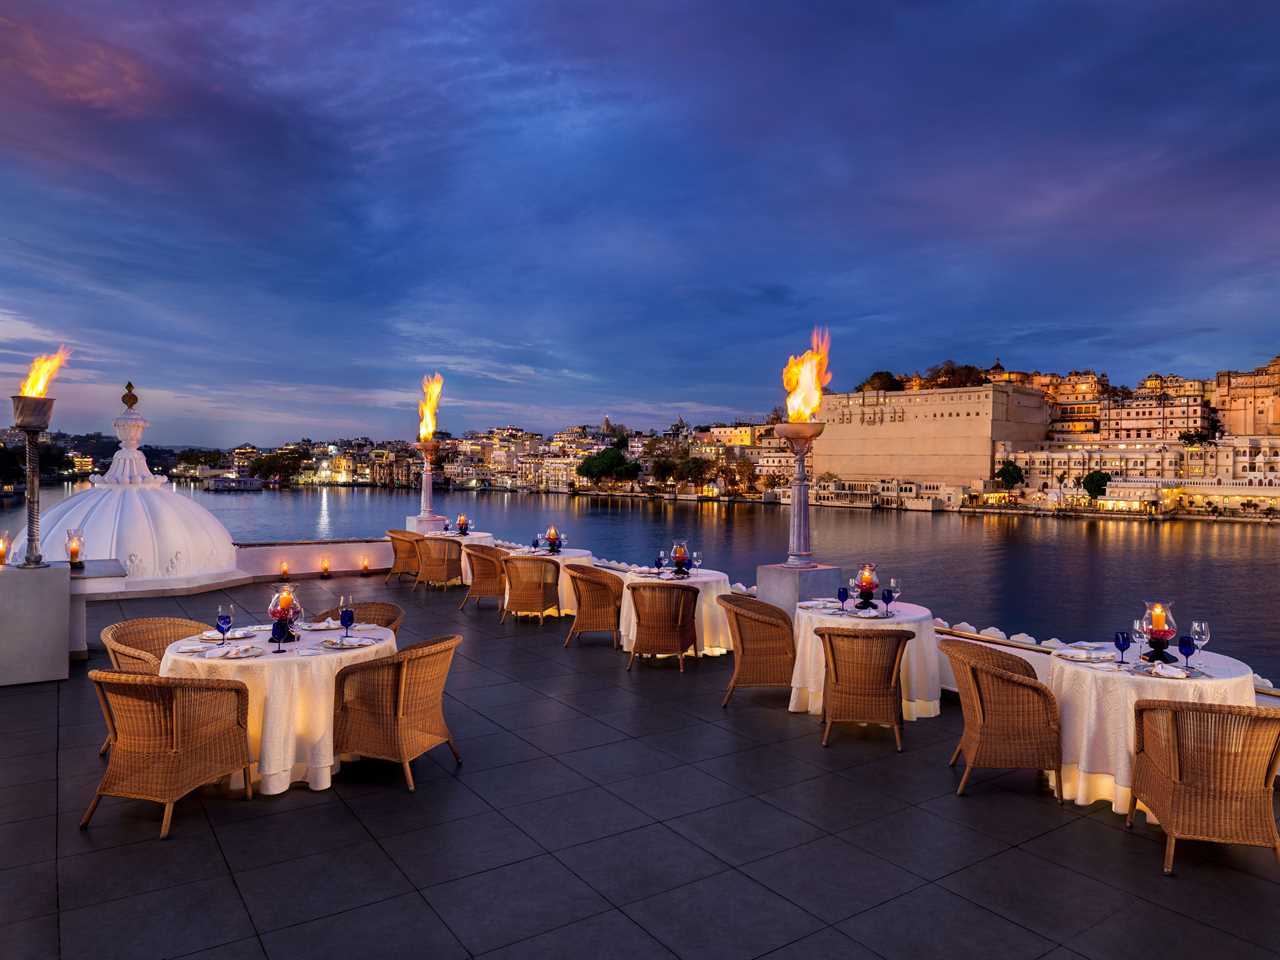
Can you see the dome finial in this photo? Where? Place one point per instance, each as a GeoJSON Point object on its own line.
{"type": "Point", "coordinates": [130, 398]}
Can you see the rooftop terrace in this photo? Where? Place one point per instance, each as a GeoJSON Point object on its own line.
{"type": "Point", "coordinates": [598, 813]}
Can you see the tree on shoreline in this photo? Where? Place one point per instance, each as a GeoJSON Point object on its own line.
{"type": "Point", "coordinates": [1011, 475]}
{"type": "Point", "coordinates": [1095, 483]}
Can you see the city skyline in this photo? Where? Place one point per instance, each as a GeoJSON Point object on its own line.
{"type": "Point", "coordinates": [274, 224]}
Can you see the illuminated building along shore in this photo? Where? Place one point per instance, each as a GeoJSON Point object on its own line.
{"type": "Point", "coordinates": [956, 437]}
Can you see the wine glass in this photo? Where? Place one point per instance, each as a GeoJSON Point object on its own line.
{"type": "Point", "coordinates": [843, 596]}
{"type": "Point", "coordinates": [225, 616]}
{"type": "Point", "coordinates": [1201, 633]}
{"type": "Point", "coordinates": [1186, 647]}
{"type": "Point", "coordinates": [895, 587]}
{"type": "Point", "coordinates": [697, 558]}
{"type": "Point", "coordinates": [1123, 641]}
{"type": "Point", "coordinates": [346, 616]}
{"type": "Point", "coordinates": [1139, 635]}
{"type": "Point", "coordinates": [662, 559]}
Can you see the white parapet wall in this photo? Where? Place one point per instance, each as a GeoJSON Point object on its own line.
{"type": "Point", "coordinates": [254, 562]}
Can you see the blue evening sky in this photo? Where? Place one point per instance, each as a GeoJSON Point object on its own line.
{"type": "Point", "coordinates": [275, 217]}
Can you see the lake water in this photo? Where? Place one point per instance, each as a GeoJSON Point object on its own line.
{"type": "Point", "coordinates": [1074, 579]}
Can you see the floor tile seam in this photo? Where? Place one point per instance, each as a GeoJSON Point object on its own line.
{"type": "Point", "coordinates": [239, 893]}
{"type": "Point", "coordinates": [534, 936]}
{"type": "Point", "coordinates": [990, 909]}
{"type": "Point", "coordinates": [143, 893]}
{"type": "Point", "coordinates": [938, 879]}
{"type": "Point", "coordinates": [1149, 900]}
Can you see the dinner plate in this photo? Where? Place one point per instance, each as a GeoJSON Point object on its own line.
{"type": "Point", "coordinates": [340, 643]}
{"type": "Point", "coordinates": [320, 625]}
{"type": "Point", "coordinates": [213, 636]}
{"type": "Point", "coordinates": [1084, 656]}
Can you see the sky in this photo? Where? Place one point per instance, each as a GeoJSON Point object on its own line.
{"type": "Point", "coordinates": [276, 217]}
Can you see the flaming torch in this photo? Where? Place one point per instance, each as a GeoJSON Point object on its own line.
{"type": "Point", "coordinates": [803, 378]}
{"type": "Point", "coordinates": [431, 389]}
{"type": "Point", "coordinates": [32, 411]}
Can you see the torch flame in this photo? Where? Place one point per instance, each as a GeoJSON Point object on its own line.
{"type": "Point", "coordinates": [431, 387]}
{"type": "Point", "coordinates": [804, 377]}
{"type": "Point", "coordinates": [43, 369]}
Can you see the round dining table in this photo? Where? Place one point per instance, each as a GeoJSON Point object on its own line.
{"type": "Point", "coordinates": [1095, 708]}
{"type": "Point", "coordinates": [710, 620]}
{"type": "Point", "coordinates": [474, 538]}
{"type": "Point", "coordinates": [921, 682]}
{"type": "Point", "coordinates": [567, 555]}
{"type": "Point", "coordinates": [290, 697]}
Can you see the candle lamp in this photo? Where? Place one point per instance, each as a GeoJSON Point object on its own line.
{"type": "Point", "coordinates": [680, 557]}
{"type": "Point", "coordinates": [75, 549]}
{"type": "Point", "coordinates": [4, 547]}
{"type": "Point", "coordinates": [284, 569]}
{"type": "Point", "coordinates": [324, 568]}
{"type": "Point", "coordinates": [364, 566]}
{"type": "Point", "coordinates": [866, 583]}
{"type": "Point", "coordinates": [463, 524]}
{"type": "Point", "coordinates": [553, 538]}
{"type": "Point", "coordinates": [1159, 626]}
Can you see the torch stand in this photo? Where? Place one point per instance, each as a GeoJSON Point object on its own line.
{"type": "Point", "coordinates": [426, 521]}
{"type": "Point", "coordinates": [31, 415]}
{"type": "Point", "coordinates": [800, 577]}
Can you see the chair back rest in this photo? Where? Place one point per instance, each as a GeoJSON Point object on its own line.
{"type": "Point", "coordinates": [752, 621]}
{"type": "Point", "coordinates": [147, 635]}
{"type": "Point", "coordinates": [1217, 747]}
{"type": "Point", "coordinates": [146, 714]}
{"type": "Point", "coordinates": [966, 657]}
{"type": "Point", "coordinates": [486, 561]}
{"type": "Point", "coordinates": [664, 606]}
{"type": "Point", "coordinates": [865, 661]}
{"type": "Point", "coordinates": [592, 586]}
{"type": "Point", "coordinates": [423, 670]}
{"type": "Point", "coordinates": [443, 548]}
{"type": "Point", "coordinates": [530, 573]}
{"type": "Point", "coordinates": [404, 544]}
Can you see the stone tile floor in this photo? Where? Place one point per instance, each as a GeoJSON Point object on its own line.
{"type": "Point", "coordinates": [598, 814]}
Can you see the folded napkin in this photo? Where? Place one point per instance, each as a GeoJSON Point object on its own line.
{"type": "Point", "coordinates": [869, 614]}
{"type": "Point", "coordinates": [216, 653]}
{"type": "Point", "coordinates": [309, 652]}
{"type": "Point", "coordinates": [1168, 671]}
{"type": "Point", "coordinates": [192, 648]}
{"type": "Point", "coordinates": [326, 624]}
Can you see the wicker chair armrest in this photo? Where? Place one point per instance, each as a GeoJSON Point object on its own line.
{"type": "Point", "coordinates": [1020, 695]}
{"type": "Point", "coordinates": [212, 695]}
{"type": "Point", "coordinates": [355, 671]}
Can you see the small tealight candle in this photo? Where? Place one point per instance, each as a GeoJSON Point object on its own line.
{"type": "Point", "coordinates": [324, 568]}
{"type": "Point", "coordinates": [364, 566]}
{"type": "Point", "coordinates": [73, 551]}
{"type": "Point", "coordinates": [284, 568]}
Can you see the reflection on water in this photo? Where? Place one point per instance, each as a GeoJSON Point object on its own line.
{"type": "Point", "coordinates": [1071, 578]}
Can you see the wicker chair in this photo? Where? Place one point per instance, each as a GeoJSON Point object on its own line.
{"type": "Point", "coordinates": [665, 620]}
{"type": "Point", "coordinates": [137, 646]}
{"type": "Point", "coordinates": [404, 554]}
{"type": "Point", "coordinates": [1010, 718]}
{"type": "Point", "coordinates": [1207, 771]}
{"type": "Point", "coordinates": [170, 736]}
{"type": "Point", "coordinates": [439, 561]}
{"type": "Point", "coordinates": [533, 586]}
{"type": "Point", "coordinates": [392, 708]}
{"type": "Point", "coordinates": [487, 577]}
{"type": "Point", "coordinates": [863, 683]}
{"type": "Point", "coordinates": [377, 612]}
{"type": "Point", "coordinates": [599, 602]}
{"type": "Point", "coordinates": [764, 644]}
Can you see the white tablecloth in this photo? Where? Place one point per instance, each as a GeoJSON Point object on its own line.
{"type": "Point", "coordinates": [567, 555]}
{"type": "Point", "coordinates": [712, 624]}
{"type": "Point", "coordinates": [1095, 708]}
{"type": "Point", "coordinates": [474, 538]}
{"type": "Point", "coordinates": [290, 701]}
{"type": "Point", "coordinates": [921, 686]}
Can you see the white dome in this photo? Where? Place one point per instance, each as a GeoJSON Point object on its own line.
{"type": "Point", "coordinates": [134, 516]}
